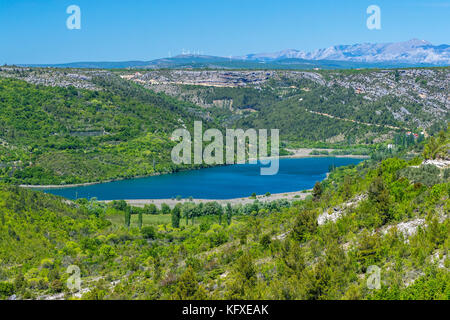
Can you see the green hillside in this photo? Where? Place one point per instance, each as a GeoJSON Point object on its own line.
{"type": "Point", "coordinates": [334, 107]}
{"type": "Point", "coordinates": [55, 135]}
{"type": "Point", "coordinates": [391, 214]}
{"type": "Point", "coordinates": [68, 126]}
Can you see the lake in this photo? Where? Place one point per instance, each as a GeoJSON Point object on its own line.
{"type": "Point", "coordinates": [226, 182]}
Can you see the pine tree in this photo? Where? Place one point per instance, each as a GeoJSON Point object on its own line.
{"type": "Point", "coordinates": [165, 209]}
{"type": "Point", "coordinates": [229, 213]}
{"type": "Point", "coordinates": [127, 217]}
{"type": "Point", "coordinates": [220, 213]}
{"type": "Point", "coordinates": [305, 224]}
{"type": "Point", "coordinates": [140, 219]}
{"type": "Point", "coordinates": [379, 196]}
{"type": "Point", "coordinates": [188, 287]}
{"type": "Point", "coordinates": [176, 216]}
{"type": "Point", "coordinates": [317, 191]}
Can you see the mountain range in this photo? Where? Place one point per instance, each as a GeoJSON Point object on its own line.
{"type": "Point", "coordinates": [412, 53]}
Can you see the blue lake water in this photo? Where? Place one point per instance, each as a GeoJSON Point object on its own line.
{"type": "Point", "coordinates": [224, 182]}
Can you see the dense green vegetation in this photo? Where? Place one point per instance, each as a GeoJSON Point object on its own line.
{"type": "Point", "coordinates": [53, 135]}
{"type": "Point", "coordinates": [258, 251]}
{"type": "Point", "coordinates": [390, 211]}
{"type": "Point", "coordinates": [117, 129]}
{"type": "Point", "coordinates": [293, 107]}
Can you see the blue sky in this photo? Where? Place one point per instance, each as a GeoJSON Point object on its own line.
{"type": "Point", "coordinates": [34, 31]}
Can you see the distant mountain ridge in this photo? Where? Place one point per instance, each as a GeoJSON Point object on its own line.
{"type": "Point", "coordinates": [412, 53]}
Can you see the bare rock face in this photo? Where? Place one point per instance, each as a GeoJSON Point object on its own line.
{"type": "Point", "coordinates": [408, 228]}
{"type": "Point", "coordinates": [427, 87]}
{"type": "Point", "coordinates": [78, 78]}
{"type": "Point", "coordinates": [333, 216]}
{"type": "Point", "coordinates": [338, 212]}
{"type": "Point", "coordinates": [440, 163]}
{"type": "Point", "coordinates": [219, 78]}
{"type": "Point", "coordinates": [215, 78]}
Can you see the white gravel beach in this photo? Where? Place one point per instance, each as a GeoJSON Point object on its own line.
{"type": "Point", "coordinates": [290, 196]}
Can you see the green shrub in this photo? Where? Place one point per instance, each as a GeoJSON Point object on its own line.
{"type": "Point", "coordinates": [265, 241]}
{"type": "Point", "coordinates": [6, 289]}
{"type": "Point", "coordinates": [148, 232]}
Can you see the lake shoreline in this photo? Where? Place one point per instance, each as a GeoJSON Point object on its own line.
{"type": "Point", "coordinates": [290, 196]}
{"type": "Point", "coordinates": [297, 154]}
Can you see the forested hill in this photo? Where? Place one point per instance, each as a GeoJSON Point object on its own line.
{"type": "Point", "coordinates": [64, 135]}
{"type": "Point", "coordinates": [391, 215]}
{"type": "Point", "coordinates": [362, 106]}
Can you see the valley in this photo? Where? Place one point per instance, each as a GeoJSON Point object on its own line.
{"type": "Point", "coordinates": [392, 214]}
{"type": "Point", "coordinates": [126, 117]}
{"type": "Point", "coordinates": [223, 159]}
{"type": "Point", "coordinates": [386, 207]}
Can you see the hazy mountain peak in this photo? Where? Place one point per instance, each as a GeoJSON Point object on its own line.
{"type": "Point", "coordinates": [411, 51]}
{"type": "Point", "coordinates": [418, 42]}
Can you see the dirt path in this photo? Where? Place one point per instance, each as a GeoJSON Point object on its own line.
{"type": "Point", "coordinates": [355, 121]}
